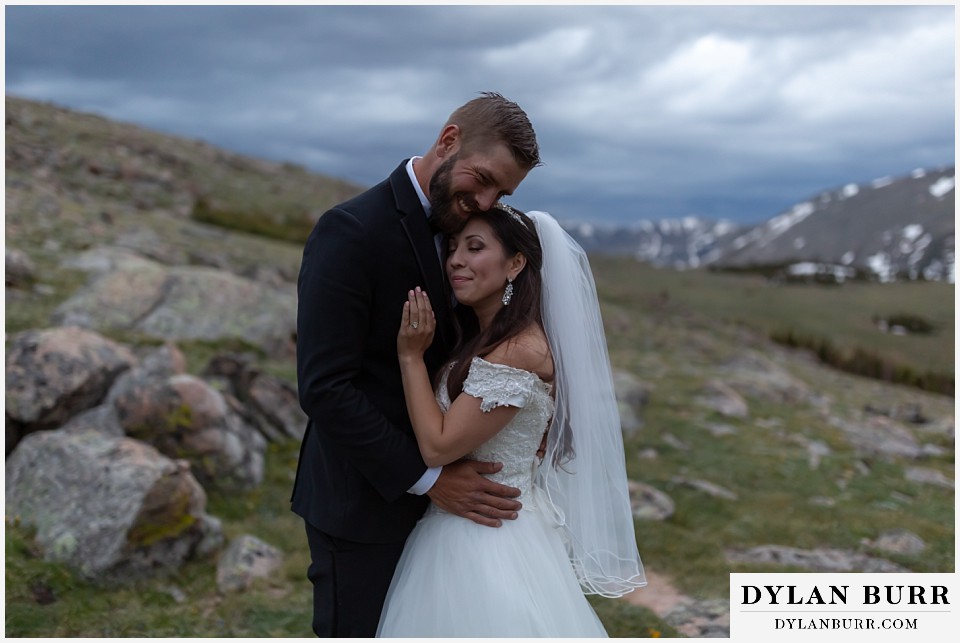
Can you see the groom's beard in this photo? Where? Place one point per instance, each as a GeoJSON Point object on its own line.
{"type": "Point", "coordinates": [442, 199]}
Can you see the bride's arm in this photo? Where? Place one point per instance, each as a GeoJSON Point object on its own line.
{"type": "Point", "coordinates": [446, 438]}
{"type": "Point", "coordinates": [442, 438]}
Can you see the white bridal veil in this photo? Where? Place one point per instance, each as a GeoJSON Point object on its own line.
{"type": "Point", "coordinates": [583, 473]}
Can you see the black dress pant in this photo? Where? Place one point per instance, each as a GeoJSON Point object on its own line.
{"type": "Point", "coordinates": [350, 582]}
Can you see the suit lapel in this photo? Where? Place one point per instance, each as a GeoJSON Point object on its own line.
{"type": "Point", "coordinates": [414, 222]}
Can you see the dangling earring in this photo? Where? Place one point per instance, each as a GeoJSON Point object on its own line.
{"type": "Point", "coordinates": [508, 292]}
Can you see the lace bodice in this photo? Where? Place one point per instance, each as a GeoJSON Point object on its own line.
{"type": "Point", "coordinates": [516, 444]}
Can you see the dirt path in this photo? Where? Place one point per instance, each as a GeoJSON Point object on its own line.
{"type": "Point", "coordinates": [659, 596]}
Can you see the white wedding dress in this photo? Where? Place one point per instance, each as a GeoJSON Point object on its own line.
{"type": "Point", "coordinates": [456, 578]}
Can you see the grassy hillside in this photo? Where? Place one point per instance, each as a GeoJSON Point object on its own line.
{"type": "Point", "coordinates": [74, 182]}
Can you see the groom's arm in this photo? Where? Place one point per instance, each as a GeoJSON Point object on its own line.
{"type": "Point", "coordinates": [335, 293]}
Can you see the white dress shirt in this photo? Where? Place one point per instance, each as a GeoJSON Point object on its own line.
{"type": "Point", "coordinates": [429, 477]}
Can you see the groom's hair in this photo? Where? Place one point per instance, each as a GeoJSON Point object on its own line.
{"type": "Point", "coordinates": [491, 118]}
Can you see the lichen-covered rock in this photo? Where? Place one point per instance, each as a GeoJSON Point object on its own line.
{"type": "Point", "coordinates": [115, 300]}
{"type": "Point", "coordinates": [186, 303]}
{"type": "Point", "coordinates": [244, 560]}
{"type": "Point", "coordinates": [157, 365]}
{"type": "Point", "coordinates": [277, 402]}
{"type": "Point", "coordinates": [54, 374]}
{"type": "Point", "coordinates": [111, 507]}
{"type": "Point", "coordinates": [104, 259]}
{"type": "Point", "coordinates": [184, 417]}
{"type": "Point", "coordinates": [102, 419]}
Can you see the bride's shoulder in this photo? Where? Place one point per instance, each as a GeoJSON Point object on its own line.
{"type": "Point", "coordinates": [528, 351]}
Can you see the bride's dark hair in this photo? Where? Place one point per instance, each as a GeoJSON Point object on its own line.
{"type": "Point", "coordinates": [517, 233]}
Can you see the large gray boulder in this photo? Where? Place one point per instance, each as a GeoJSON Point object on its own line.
{"type": "Point", "coordinates": [111, 507]}
{"type": "Point", "coordinates": [186, 303]}
{"type": "Point", "coordinates": [54, 374]}
{"type": "Point", "coordinates": [184, 417]}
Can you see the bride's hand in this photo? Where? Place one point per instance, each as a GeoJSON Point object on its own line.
{"type": "Point", "coordinates": [417, 325]}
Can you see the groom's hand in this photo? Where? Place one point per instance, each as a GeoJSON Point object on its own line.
{"type": "Point", "coordinates": [462, 490]}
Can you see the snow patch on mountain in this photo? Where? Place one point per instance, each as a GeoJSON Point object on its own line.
{"type": "Point", "coordinates": [891, 227]}
{"type": "Point", "coordinates": [850, 190]}
{"type": "Point", "coordinates": [942, 186]}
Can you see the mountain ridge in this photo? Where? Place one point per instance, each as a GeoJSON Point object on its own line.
{"type": "Point", "coordinates": [890, 228]}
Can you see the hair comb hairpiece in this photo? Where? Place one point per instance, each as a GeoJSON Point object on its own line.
{"type": "Point", "coordinates": [513, 212]}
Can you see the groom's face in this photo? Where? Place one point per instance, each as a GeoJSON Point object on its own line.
{"type": "Point", "coordinates": [468, 183]}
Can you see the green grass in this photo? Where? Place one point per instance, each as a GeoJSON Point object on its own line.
{"type": "Point", "coordinates": [843, 314]}
{"type": "Point", "coordinates": [280, 606]}
{"type": "Point", "coordinates": [679, 342]}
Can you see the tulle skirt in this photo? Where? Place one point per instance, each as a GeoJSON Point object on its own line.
{"type": "Point", "coordinates": [456, 578]}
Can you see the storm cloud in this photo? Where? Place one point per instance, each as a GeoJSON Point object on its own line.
{"type": "Point", "coordinates": [641, 111]}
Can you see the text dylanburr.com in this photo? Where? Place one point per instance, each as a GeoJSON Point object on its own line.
{"type": "Point", "coordinates": [844, 607]}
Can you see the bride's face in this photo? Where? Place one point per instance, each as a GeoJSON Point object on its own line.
{"type": "Point", "coordinates": [477, 268]}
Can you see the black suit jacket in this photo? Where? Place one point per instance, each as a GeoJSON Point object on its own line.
{"type": "Point", "coordinates": [359, 455]}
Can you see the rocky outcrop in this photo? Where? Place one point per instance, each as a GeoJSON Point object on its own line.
{"type": "Point", "coordinates": [185, 303]}
{"type": "Point", "coordinates": [111, 507]}
{"type": "Point", "coordinates": [56, 373]}
{"type": "Point", "coordinates": [184, 417]}
{"type": "Point", "coordinates": [270, 403]}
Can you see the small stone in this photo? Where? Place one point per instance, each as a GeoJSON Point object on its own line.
{"type": "Point", "coordinates": [923, 475]}
{"type": "Point", "coordinates": [246, 559]}
{"type": "Point", "coordinates": [708, 488]}
{"type": "Point", "coordinates": [899, 541]}
{"type": "Point", "coordinates": [648, 503]}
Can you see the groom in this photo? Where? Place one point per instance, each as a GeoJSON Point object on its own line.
{"type": "Point", "coordinates": [361, 484]}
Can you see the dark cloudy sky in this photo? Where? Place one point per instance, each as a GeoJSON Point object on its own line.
{"type": "Point", "coordinates": [641, 111]}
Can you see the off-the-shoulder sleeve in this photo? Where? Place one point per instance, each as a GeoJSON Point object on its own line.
{"type": "Point", "coordinates": [498, 384]}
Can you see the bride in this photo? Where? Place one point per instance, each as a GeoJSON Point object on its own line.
{"type": "Point", "coordinates": [529, 386]}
